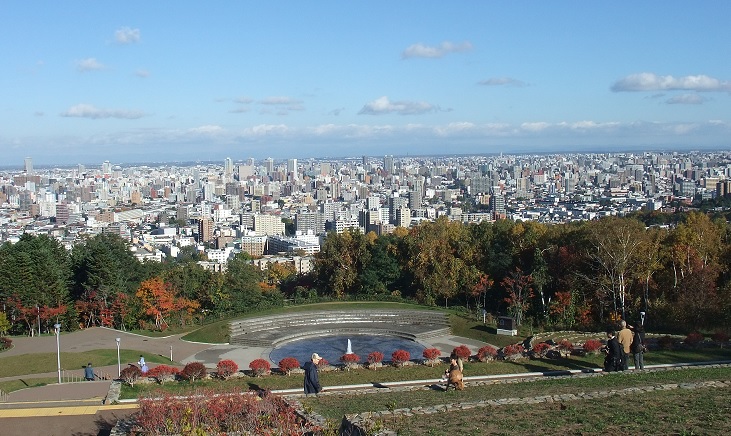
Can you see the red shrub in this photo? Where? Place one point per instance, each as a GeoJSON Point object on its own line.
{"type": "Point", "coordinates": [5, 343]}
{"type": "Point", "coordinates": [323, 363]}
{"type": "Point", "coordinates": [226, 368]}
{"type": "Point", "coordinates": [720, 337]}
{"type": "Point", "coordinates": [205, 411]}
{"type": "Point", "coordinates": [350, 358]}
{"type": "Point", "coordinates": [694, 338]}
{"type": "Point", "coordinates": [163, 373]}
{"type": "Point", "coordinates": [130, 375]}
{"type": "Point", "coordinates": [592, 345]}
{"type": "Point", "coordinates": [375, 357]}
{"type": "Point", "coordinates": [431, 354]}
{"type": "Point", "coordinates": [463, 352]}
{"type": "Point", "coordinates": [399, 357]}
{"type": "Point", "coordinates": [287, 364]}
{"type": "Point", "coordinates": [194, 371]}
{"type": "Point", "coordinates": [541, 348]}
{"type": "Point", "coordinates": [666, 342]}
{"type": "Point", "coordinates": [488, 352]}
{"type": "Point", "coordinates": [565, 347]}
{"type": "Point", "coordinates": [513, 350]}
{"type": "Point", "coordinates": [260, 367]}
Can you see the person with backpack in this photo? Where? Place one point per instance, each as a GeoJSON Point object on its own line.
{"type": "Point", "coordinates": [638, 346]}
{"type": "Point", "coordinates": [613, 360]}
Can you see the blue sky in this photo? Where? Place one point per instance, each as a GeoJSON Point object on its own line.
{"type": "Point", "coordinates": [83, 82]}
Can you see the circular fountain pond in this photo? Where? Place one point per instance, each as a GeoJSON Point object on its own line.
{"type": "Point", "coordinates": [332, 347]}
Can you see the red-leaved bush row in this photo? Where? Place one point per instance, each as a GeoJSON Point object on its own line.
{"type": "Point", "coordinates": [5, 343]}
{"type": "Point", "coordinates": [431, 354]}
{"type": "Point", "coordinates": [399, 357]}
{"type": "Point", "coordinates": [260, 367]}
{"type": "Point", "coordinates": [163, 373]}
{"type": "Point", "coordinates": [513, 350]}
{"type": "Point", "coordinates": [592, 345]}
{"type": "Point", "coordinates": [193, 371]}
{"type": "Point", "coordinates": [540, 349]}
{"type": "Point", "coordinates": [226, 368]}
{"type": "Point", "coordinates": [488, 352]}
{"type": "Point", "coordinates": [350, 358]}
{"type": "Point", "coordinates": [694, 338]}
{"type": "Point", "coordinates": [288, 364]}
{"type": "Point", "coordinates": [462, 351]}
{"type": "Point", "coordinates": [375, 357]}
{"type": "Point", "coordinates": [208, 411]}
{"type": "Point", "coordinates": [720, 336]}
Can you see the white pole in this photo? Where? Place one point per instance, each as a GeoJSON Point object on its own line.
{"type": "Point", "coordinates": [171, 353]}
{"type": "Point", "coordinates": [58, 350]}
{"type": "Point", "coordinates": [119, 362]}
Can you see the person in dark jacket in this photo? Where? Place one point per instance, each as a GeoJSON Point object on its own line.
{"type": "Point", "coordinates": [638, 346]}
{"type": "Point", "coordinates": [613, 361]}
{"type": "Point", "coordinates": [89, 374]}
{"type": "Point", "coordinates": [312, 378]}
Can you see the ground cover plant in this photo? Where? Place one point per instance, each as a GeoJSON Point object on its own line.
{"type": "Point", "coordinates": [679, 412]}
{"type": "Point", "coordinates": [336, 405]}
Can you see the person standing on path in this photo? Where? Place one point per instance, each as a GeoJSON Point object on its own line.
{"type": "Point", "coordinates": [312, 378]}
{"type": "Point", "coordinates": [638, 347]}
{"type": "Point", "coordinates": [625, 340]}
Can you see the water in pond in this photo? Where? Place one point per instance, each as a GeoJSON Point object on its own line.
{"type": "Point", "coordinates": [332, 347]}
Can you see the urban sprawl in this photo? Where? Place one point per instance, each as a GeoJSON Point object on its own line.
{"type": "Point", "coordinates": [281, 210]}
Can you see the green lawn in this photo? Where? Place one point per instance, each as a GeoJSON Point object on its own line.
{"type": "Point", "coordinates": [38, 363]}
{"type": "Point", "coordinates": [22, 383]}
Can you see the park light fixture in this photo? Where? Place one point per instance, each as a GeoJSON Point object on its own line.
{"type": "Point", "coordinates": [57, 328]}
{"type": "Point", "coordinates": [119, 362]}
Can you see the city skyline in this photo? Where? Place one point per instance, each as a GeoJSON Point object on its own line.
{"type": "Point", "coordinates": [90, 82]}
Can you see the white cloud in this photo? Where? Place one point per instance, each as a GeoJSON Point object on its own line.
{"type": "Point", "coordinates": [280, 101]}
{"type": "Point", "coordinates": [126, 35]}
{"type": "Point", "coordinates": [243, 100]}
{"type": "Point", "coordinates": [686, 99]}
{"type": "Point", "coordinates": [502, 81]}
{"type": "Point", "coordinates": [206, 130]}
{"type": "Point", "coordinates": [89, 111]}
{"type": "Point", "coordinates": [535, 126]}
{"type": "Point", "coordinates": [653, 82]}
{"type": "Point", "coordinates": [142, 73]}
{"type": "Point", "coordinates": [89, 64]}
{"type": "Point", "coordinates": [383, 105]}
{"type": "Point", "coordinates": [424, 51]}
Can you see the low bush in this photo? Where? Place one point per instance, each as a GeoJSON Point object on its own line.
{"type": "Point", "coordinates": [666, 342]}
{"type": "Point", "coordinates": [565, 347]}
{"type": "Point", "coordinates": [463, 352]}
{"type": "Point", "coordinates": [431, 355]}
{"type": "Point", "coordinates": [163, 373]}
{"type": "Point", "coordinates": [540, 349]}
{"type": "Point", "coordinates": [207, 411]}
{"type": "Point", "coordinates": [486, 353]}
{"type": "Point", "coordinates": [130, 375]}
{"type": "Point", "coordinates": [194, 371]}
{"type": "Point", "coordinates": [260, 367]}
{"type": "Point", "coordinates": [592, 346]}
{"type": "Point", "coordinates": [226, 368]}
{"type": "Point", "coordinates": [323, 363]}
{"type": "Point", "coordinates": [375, 357]}
{"type": "Point", "coordinates": [350, 358]}
{"type": "Point", "coordinates": [287, 364]}
{"type": "Point", "coordinates": [693, 339]}
{"type": "Point", "coordinates": [513, 351]}
{"type": "Point", "coordinates": [720, 337]}
{"type": "Point", "coordinates": [5, 343]}
{"type": "Point", "coordinates": [400, 357]}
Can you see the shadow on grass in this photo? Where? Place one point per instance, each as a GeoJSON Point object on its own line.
{"type": "Point", "coordinates": [549, 369]}
{"type": "Point", "coordinates": [485, 328]}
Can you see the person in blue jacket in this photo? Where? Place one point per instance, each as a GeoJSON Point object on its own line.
{"type": "Point", "coordinates": [312, 378]}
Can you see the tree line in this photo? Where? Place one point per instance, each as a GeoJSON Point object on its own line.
{"type": "Point", "coordinates": [574, 275]}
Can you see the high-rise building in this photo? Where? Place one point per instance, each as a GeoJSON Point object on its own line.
{"type": "Point", "coordinates": [205, 230]}
{"type": "Point", "coordinates": [228, 167]}
{"type": "Point", "coordinates": [28, 166]}
{"type": "Point", "coordinates": [388, 163]}
{"type": "Point", "coordinates": [269, 165]}
{"type": "Point", "coordinates": [292, 167]}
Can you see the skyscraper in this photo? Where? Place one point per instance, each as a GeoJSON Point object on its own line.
{"type": "Point", "coordinates": [388, 163]}
{"type": "Point", "coordinates": [28, 166]}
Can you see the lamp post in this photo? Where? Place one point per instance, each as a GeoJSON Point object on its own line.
{"type": "Point", "coordinates": [119, 363]}
{"type": "Point", "coordinates": [57, 328]}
